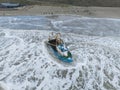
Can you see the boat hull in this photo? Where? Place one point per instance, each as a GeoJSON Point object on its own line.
{"type": "Point", "coordinates": [67, 58]}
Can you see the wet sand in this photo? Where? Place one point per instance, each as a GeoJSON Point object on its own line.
{"type": "Point", "coordinates": [102, 12]}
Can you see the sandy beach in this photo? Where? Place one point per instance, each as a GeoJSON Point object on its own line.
{"type": "Point", "coordinates": [100, 12]}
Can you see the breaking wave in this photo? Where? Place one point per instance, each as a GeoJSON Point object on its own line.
{"type": "Point", "coordinates": [25, 63]}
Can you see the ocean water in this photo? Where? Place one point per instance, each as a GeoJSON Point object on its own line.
{"type": "Point", "coordinates": [26, 64]}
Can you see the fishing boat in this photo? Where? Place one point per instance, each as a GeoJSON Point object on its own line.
{"type": "Point", "coordinates": [59, 49]}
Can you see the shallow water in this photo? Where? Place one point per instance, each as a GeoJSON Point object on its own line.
{"type": "Point", "coordinates": [83, 26]}
{"type": "Point", "coordinates": [25, 63]}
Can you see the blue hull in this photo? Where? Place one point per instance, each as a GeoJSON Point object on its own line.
{"type": "Point", "coordinates": [67, 59]}
{"type": "Point", "coordinates": [62, 58]}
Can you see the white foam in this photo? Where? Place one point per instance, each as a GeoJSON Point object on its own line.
{"type": "Point", "coordinates": [25, 63]}
{"type": "Point", "coordinates": [3, 86]}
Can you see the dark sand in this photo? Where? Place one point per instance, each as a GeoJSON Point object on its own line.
{"type": "Point", "coordinates": [100, 12]}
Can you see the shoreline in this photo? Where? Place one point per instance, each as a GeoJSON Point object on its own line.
{"type": "Point", "coordinates": [37, 10]}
